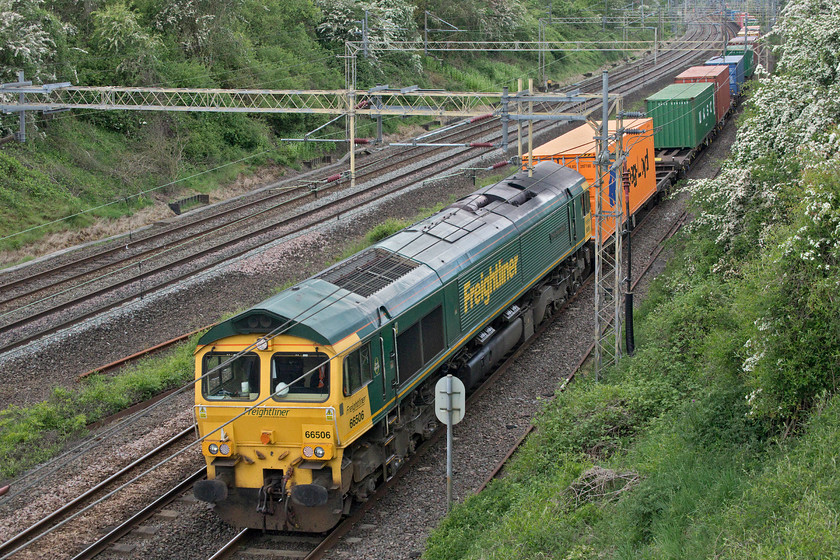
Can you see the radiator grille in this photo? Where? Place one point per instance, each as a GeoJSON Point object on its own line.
{"type": "Point", "coordinates": [369, 271]}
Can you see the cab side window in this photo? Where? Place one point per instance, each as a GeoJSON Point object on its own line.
{"type": "Point", "coordinates": [357, 370]}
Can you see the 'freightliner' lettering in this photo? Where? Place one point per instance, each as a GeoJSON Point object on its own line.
{"type": "Point", "coordinates": [271, 412]}
{"type": "Point", "coordinates": [496, 277]}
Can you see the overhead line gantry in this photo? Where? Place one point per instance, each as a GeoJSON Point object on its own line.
{"type": "Point", "coordinates": [23, 96]}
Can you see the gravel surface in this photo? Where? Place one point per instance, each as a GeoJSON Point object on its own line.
{"type": "Point", "coordinates": [402, 520]}
{"type": "Point", "coordinates": [31, 373]}
{"type": "Point", "coordinates": [61, 480]}
{"type": "Point", "coordinates": [234, 286]}
{"type": "Point", "coordinates": [195, 303]}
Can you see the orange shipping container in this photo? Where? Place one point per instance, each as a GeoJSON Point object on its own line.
{"type": "Point", "coordinates": [577, 148]}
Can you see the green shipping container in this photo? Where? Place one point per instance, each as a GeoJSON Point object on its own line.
{"type": "Point", "coordinates": [747, 53]}
{"type": "Point", "coordinates": [683, 114]}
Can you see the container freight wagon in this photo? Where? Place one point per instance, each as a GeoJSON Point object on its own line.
{"type": "Point", "coordinates": [717, 75]}
{"type": "Point", "coordinates": [736, 71]}
{"type": "Point", "coordinates": [683, 114]}
{"type": "Point", "coordinates": [577, 149]}
{"type": "Point", "coordinates": [749, 57]}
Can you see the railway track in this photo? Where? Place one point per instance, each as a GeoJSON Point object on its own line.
{"type": "Point", "coordinates": [114, 535]}
{"type": "Point", "coordinates": [77, 289]}
{"type": "Point", "coordinates": [62, 523]}
{"type": "Point", "coordinates": [3, 553]}
{"type": "Point", "coordinates": [290, 546]}
{"type": "Point", "coordinates": [249, 542]}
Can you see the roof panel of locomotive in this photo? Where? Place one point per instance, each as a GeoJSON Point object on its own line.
{"type": "Point", "coordinates": [473, 231]}
{"type": "Point", "coordinates": [459, 236]}
{"type": "Point", "coordinates": [406, 268]}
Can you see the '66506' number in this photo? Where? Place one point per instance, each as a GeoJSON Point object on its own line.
{"type": "Point", "coordinates": [355, 420]}
{"type": "Point", "coordinates": [316, 434]}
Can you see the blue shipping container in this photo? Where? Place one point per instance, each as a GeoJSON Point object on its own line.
{"type": "Point", "coordinates": [736, 70]}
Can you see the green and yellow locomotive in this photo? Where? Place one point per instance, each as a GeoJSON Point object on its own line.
{"type": "Point", "coordinates": [310, 399]}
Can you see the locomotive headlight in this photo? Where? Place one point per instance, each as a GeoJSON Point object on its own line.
{"type": "Point", "coordinates": [307, 451]}
{"type": "Point", "coordinates": [224, 449]}
{"type": "Point", "coordinates": [319, 452]}
{"type": "Point", "coordinates": [213, 448]}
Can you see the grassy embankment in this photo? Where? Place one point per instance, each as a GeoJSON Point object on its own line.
{"type": "Point", "coordinates": [719, 438]}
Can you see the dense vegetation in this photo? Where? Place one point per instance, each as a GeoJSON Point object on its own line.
{"type": "Point", "coordinates": [719, 438]}
{"type": "Point", "coordinates": [100, 165]}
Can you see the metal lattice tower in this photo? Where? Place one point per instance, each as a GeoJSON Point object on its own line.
{"type": "Point", "coordinates": [608, 248]}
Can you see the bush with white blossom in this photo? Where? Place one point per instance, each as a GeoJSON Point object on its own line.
{"type": "Point", "coordinates": [772, 215]}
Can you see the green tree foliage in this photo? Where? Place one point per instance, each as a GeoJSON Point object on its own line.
{"type": "Point", "coordinates": [773, 215]}
{"type": "Point", "coordinates": [793, 353]}
{"type": "Point", "coordinates": [495, 19]}
{"type": "Point", "coordinates": [388, 21]}
{"type": "Point", "coordinates": [192, 23]}
{"type": "Point", "coordinates": [32, 39]}
{"type": "Point", "coordinates": [119, 35]}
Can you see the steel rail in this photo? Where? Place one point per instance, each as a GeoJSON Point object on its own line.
{"type": "Point", "coordinates": [381, 491]}
{"type": "Point", "coordinates": [138, 518]}
{"type": "Point", "coordinates": [135, 520]}
{"type": "Point", "coordinates": [24, 536]}
{"type": "Point", "coordinates": [332, 214]}
{"type": "Point", "coordinates": [347, 524]}
{"type": "Point", "coordinates": [152, 272]}
{"type": "Point", "coordinates": [76, 263]}
{"type": "Point", "coordinates": [231, 546]}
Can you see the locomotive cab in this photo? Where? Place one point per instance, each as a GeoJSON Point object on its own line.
{"type": "Point", "coordinates": [272, 444]}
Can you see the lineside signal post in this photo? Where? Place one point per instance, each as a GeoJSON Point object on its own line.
{"type": "Point", "coordinates": [450, 402]}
